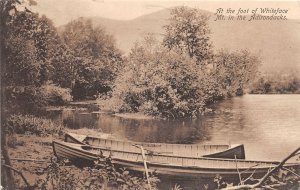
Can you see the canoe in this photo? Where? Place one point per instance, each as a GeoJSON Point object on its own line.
{"type": "Point", "coordinates": [163, 165]}
{"type": "Point", "coordinates": [188, 150]}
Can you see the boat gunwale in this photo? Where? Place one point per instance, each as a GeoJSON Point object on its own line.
{"type": "Point", "coordinates": [229, 147]}
{"type": "Point", "coordinates": [79, 147]}
{"type": "Point", "coordinates": [171, 144]}
{"type": "Point", "coordinates": [148, 143]}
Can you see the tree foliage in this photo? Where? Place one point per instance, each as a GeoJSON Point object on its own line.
{"type": "Point", "coordinates": [29, 43]}
{"type": "Point", "coordinates": [94, 58]}
{"type": "Point", "coordinates": [188, 31]}
{"type": "Point", "coordinates": [84, 59]}
{"type": "Point", "coordinates": [235, 70]}
{"type": "Point", "coordinates": [63, 67]}
{"type": "Point", "coordinates": [160, 82]}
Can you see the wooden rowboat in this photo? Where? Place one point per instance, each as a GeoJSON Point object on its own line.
{"type": "Point", "coordinates": [185, 150]}
{"type": "Point", "coordinates": [175, 166]}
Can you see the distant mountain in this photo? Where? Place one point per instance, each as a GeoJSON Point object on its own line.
{"type": "Point", "coordinates": [276, 42]}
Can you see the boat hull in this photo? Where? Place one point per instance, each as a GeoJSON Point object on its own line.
{"type": "Point", "coordinates": [192, 151]}
{"type": "Point", "coordinates": [176, 167]}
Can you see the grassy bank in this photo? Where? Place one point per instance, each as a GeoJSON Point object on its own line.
{"type": "Point", "coordinates": [35, 159]}
{"type": "Point", "coordinates": [30, 150]}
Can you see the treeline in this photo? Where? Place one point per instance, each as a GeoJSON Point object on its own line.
{"type": "Point", "coordinates": [177, 77]}
{"type": "Point", "coordinates": [278, 83]}
{"type": "Point", "coordinates": [41, 66]}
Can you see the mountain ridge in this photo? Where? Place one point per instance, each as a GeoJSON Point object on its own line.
{"type": "Point", "coordinates": [277, 42]}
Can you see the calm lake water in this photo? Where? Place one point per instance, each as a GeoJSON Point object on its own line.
{"type": "Point", "coordinates": [268, 125]}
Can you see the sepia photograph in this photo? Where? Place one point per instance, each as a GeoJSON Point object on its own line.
{"type": "Point", "coordinates": [150, 95]}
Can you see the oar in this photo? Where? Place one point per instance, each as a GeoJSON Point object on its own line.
{"type": "Point", "coordinates": [145, 164]}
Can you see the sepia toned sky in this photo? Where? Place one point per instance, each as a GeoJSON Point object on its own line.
{"type": "Point", "coordinates": [62, 11]}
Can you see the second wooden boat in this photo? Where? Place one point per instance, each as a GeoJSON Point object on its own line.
{"type": "Point", "coordinates": [184, 150]}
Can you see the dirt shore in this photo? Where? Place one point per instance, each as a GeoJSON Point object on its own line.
{"type": "Point", "coordinates": [31, 155]}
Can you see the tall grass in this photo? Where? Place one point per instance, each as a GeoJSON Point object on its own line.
{"type": "Point", "coordinates": [29, 124]}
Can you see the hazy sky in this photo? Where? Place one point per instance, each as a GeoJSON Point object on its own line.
{"type": "Point", "coordinates": [62, 11]}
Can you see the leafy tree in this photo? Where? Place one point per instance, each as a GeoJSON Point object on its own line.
{"type": "Point", "coordinates": [160, 82]}
{"type": "Point", "coordinates": [96, 59]}
{"type": "Point", "coordinates": [30, 41]}
{"type": "Point", "coordinates": [235, 70]}
{"type": "Point", "coordinates": [47, 40]}
{"type": "Point", "coordinates": [188, 30]}
{"type": "Point", "coordinates": [8, 9]}
{"type": "Point", "coordinates": [22, 67]}
{"type": "Point", "coordinates": [64, 70]}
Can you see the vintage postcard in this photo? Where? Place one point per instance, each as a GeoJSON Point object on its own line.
{"type": "Point", "coordinates": [129, 94]}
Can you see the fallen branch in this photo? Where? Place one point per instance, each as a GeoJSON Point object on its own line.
{"type": "Point", "coordinates": [269, 188]}
{"type": "Point", "coordinates": [29, 160]}
{"type": "Point", "coordinates": [274, 186]}
{"type": "Point", "coordinates": [18, 172]}
{"type": "Point", "coordinates": [266, 176]}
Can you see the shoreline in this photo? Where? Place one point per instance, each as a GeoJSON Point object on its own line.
{"type": "Point", "coordinates": [32, 156]}
{"type": "Point", "coordinates": [138, 116]}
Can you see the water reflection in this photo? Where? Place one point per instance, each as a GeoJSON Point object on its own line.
{"type": "Point", "coordinates": [164, 131]}
{"type": "Point", "coordinates": [268, 125]}
{"type": "Point", "coordinates": [260, 122]}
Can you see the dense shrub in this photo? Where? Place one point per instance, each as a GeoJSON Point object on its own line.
{"type": "Point", "coordinates": [28, 124]}
{"type": "Point", "coordinates": [277, 84]}
{"type": "Point", "coordinates": [160, 82]}
{"type": "Point", "coordinates": [24, 99]}
{"type": "Point", "coordinates": [234, 71]}
{"type": "Point", "coordinates": [32, 99]}
{"type": "Point", "coordinates": [55, 95]}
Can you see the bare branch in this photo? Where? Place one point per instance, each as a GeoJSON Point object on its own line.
{"type": "Point", "coordinates": [27, 10]}
{"type": "Point", "coordinates": [249, 177]}
{"type": "Point", "coordinates": [268, 187]}
{"type": "Point", "coordinates": [274, 186]}
{"type": "Point", "coordinates": [266, 176]}
{"type": "Point", "coordinates": [249, 168]}
{"type": "Point", "coordinates": [18, 172]}
{"type": "Point", "coordinates": [237, 169]}
{"type": "Point", "coordinates": [280, 165]}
